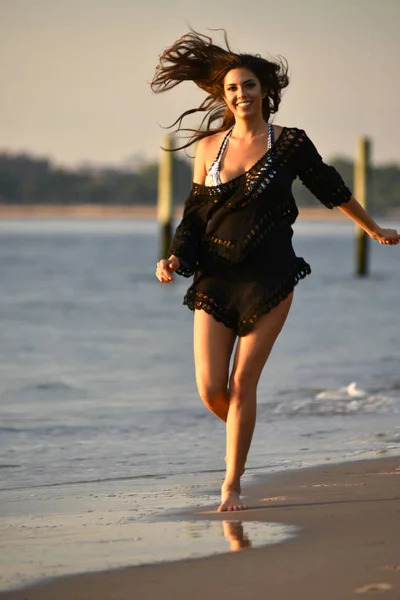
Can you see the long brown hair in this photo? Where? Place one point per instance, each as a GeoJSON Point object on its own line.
{"type": "Point", "coordinates": [194, 57]}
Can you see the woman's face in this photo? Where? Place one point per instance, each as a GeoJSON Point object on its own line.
{"type": "Point", "coordinates": [242, 93]}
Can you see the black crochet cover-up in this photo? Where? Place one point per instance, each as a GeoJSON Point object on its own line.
{"type": "Point", "coordinates": [236, 237]}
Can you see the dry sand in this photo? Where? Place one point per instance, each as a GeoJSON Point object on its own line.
{"type": "Point", "coordinates": [348, 546]}
{"type": "Point", "coordinates": [99, 211]}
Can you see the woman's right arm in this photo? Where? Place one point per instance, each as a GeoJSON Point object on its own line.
{"type": "Point", "coordinates": [184, 245]}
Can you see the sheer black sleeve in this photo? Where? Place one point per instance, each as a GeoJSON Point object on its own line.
{"type": "Point", "coordinates": [186, 240]}
{"type": "Point", "coordinates": [321, 179]}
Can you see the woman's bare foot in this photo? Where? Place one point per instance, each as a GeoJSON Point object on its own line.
{"type": "Point", "coordinates": [230, 500]}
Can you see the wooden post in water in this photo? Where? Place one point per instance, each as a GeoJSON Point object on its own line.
{"type": "Point", "coordinates": [165, 190]}
{"type": "Point", "coordinates": [362, 180]}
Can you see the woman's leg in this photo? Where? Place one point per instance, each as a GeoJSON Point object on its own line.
{"type": "Point", "coordinates": [250, 357]}
{"type": "Point", "coordinates": [213, 345]}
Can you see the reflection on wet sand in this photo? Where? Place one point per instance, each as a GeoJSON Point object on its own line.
{"type": "Point", "coordinates": [235, 535]}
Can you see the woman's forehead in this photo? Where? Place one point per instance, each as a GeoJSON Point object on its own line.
{"type": "Point", "coordinates": [239, 75]}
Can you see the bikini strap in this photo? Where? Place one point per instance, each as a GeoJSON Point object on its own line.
{"type": "Point", "coordinates": [271, 136]}
{"type": "Point", "coordinates": [213, 171]}
{"type": "Point", "coordinates": [222, 148]}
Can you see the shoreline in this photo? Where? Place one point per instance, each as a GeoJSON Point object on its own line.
{"type": "Point", "coordinates": [347, 513]}
{"type": "Point", "coordinates": [99, 211]}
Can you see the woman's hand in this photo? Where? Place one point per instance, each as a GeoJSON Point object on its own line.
{"type": "Point", "coordinates": [165, 268]}
{"type": "Point", "coordinates": [386, 236]}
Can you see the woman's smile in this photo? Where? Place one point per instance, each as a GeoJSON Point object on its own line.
{"type": "Point", "coordinates": [243, 93]}
{"type": "Point", "coordinates": [243, 104]}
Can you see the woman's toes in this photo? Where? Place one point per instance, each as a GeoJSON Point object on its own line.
{"type": "Point", "coordinates": [230, 501]}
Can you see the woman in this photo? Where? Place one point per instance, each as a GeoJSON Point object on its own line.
{"type": "Point", "coordinates": [235, 234]}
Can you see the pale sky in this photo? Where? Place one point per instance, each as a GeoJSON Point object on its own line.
{"type": "Point", "coordinates": [74, 73]}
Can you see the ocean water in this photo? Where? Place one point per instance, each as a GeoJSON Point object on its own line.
{"type": "Point", "coordinates": [98, 406]}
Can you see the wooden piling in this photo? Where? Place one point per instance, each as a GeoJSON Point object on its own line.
{"type": "Point", "coordinates": [362, 181]}
{"type": "Point", "coordinates": [165, 193]}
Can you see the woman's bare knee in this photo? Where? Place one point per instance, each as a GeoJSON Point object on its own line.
{"type": "Point", "coordinates": [211, 393]}
{"type": "Point", "coordinates": [215, 397]}
{"type": "Point", "coordinates": [243, 386]}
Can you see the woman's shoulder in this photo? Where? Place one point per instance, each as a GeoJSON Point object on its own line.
{"type": "Point", "coordinates": [212, 141]}
{"type": "Point", "coordinates": [291, 129]}
{"type": "Point", "coordinates": [292, 136]}
{"type": "Point", "coordinates": [297, 144]}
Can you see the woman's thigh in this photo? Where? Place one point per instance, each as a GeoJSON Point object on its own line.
{"type": "Point", "coordinates": [252, 350]}
{"type": "Point", "coordinates": [213, 345]}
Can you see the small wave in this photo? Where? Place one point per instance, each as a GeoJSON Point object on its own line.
{"type": "Point", "coordinates": [86, 481]}
{"type": "Point", "coordinates": [44, 390]}
{"type": "Point", "coordinates": [51, 430]}
{"type": "Point", "coordinates": [392, 438]}
{"type": "Point", "coordinates": [347, 400]}
{"type": "Point", "coordinates": [54, 385]}
{"type": "Point", "coordinates": [349, 391]}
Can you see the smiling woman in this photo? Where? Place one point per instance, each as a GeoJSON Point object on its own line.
{"type": "Point", "coordinates": [236, 233]}
{"type": "Point", "coordinates": [243, 91]}
{"type": "Point", "coordinates": [195, 58]}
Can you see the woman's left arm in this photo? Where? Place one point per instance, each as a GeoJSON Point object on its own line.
{"type": "Point", "coordinates": [356, 212]}
{"type": "Point", "coordinates": [328, 186]}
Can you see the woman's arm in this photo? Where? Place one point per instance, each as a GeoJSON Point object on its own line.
{"type": "Point", "coordinates": [184, 245]}
{"type": "Point", "coordinates": [328, 186]}
{"type": "Point", "coordinates": [356, 212]}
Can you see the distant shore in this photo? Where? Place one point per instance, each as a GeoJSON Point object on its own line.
{"type": "Point", "coordinates": [103, 211]}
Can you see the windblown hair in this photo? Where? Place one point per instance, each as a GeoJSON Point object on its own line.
{"type": "Point", "coordinates": [195, 58]}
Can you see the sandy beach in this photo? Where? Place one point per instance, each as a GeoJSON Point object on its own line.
{"type": "Point", "coordinates": [348, 544]}
{"type": "Point", "coordinates": [102, 211]}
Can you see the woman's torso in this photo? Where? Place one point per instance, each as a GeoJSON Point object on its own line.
{"type": "Point", "coordinates": [227, 158]}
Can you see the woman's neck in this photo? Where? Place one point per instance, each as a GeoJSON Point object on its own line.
{"type": "Point", "coordinates": [246, 130]}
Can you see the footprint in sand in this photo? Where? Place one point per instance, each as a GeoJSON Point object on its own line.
{"type": "Point", "coordinates": [273, 499]}
{"type": "Point", "coordinates": [374, 587]}
{"type": "Point", "coordinates": [336, 485]}
{"type": "Point", "coordinates": [391, 568]}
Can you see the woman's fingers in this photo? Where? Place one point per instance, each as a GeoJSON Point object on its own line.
{"type": "Point", "coordinates": [163, 271]}
{"type": "Point", "coordinates": [389, 236]}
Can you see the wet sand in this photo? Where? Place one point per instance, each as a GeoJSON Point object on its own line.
{"type": "Point", "coordinates": [100, 211]}
{"type": "Point", "coordinates": [348, 545]}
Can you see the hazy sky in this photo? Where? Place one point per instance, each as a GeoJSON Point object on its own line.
{"type": "Point", "coordinates": [74, 73]}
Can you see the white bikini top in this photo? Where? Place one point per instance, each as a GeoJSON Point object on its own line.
{"type": "Point", "coordinates": [212, 177]}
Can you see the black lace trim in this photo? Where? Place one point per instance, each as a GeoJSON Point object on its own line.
{"type": "Point", "coordinates": [195, 300]}
{"type": "Point", "coordinates": [198, 301]}
{"type": "Point", "coordinates": [207, 205]}
{"type": "Point", "coordinates": [321, 179]}
{"type": "Point", "coordinates": [285, 287]}
{"type": "Point", "coordinates": [258, 176]}
{"type": "Point", "coordinates": [266, 224]}
{"type": "Point", "coordinates": [188, 234]}
{"type": "Point", "coordinates": [326, 184]}
{"type": "Point", "coordinates": [184, 270]}
{"type": "Point", "coordinates": [246, 188]}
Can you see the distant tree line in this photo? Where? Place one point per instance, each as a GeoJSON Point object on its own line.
{"type": "Point", "coordinates": [28, 180]}
{"type": "Point", "coordinates": [25, 179]}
